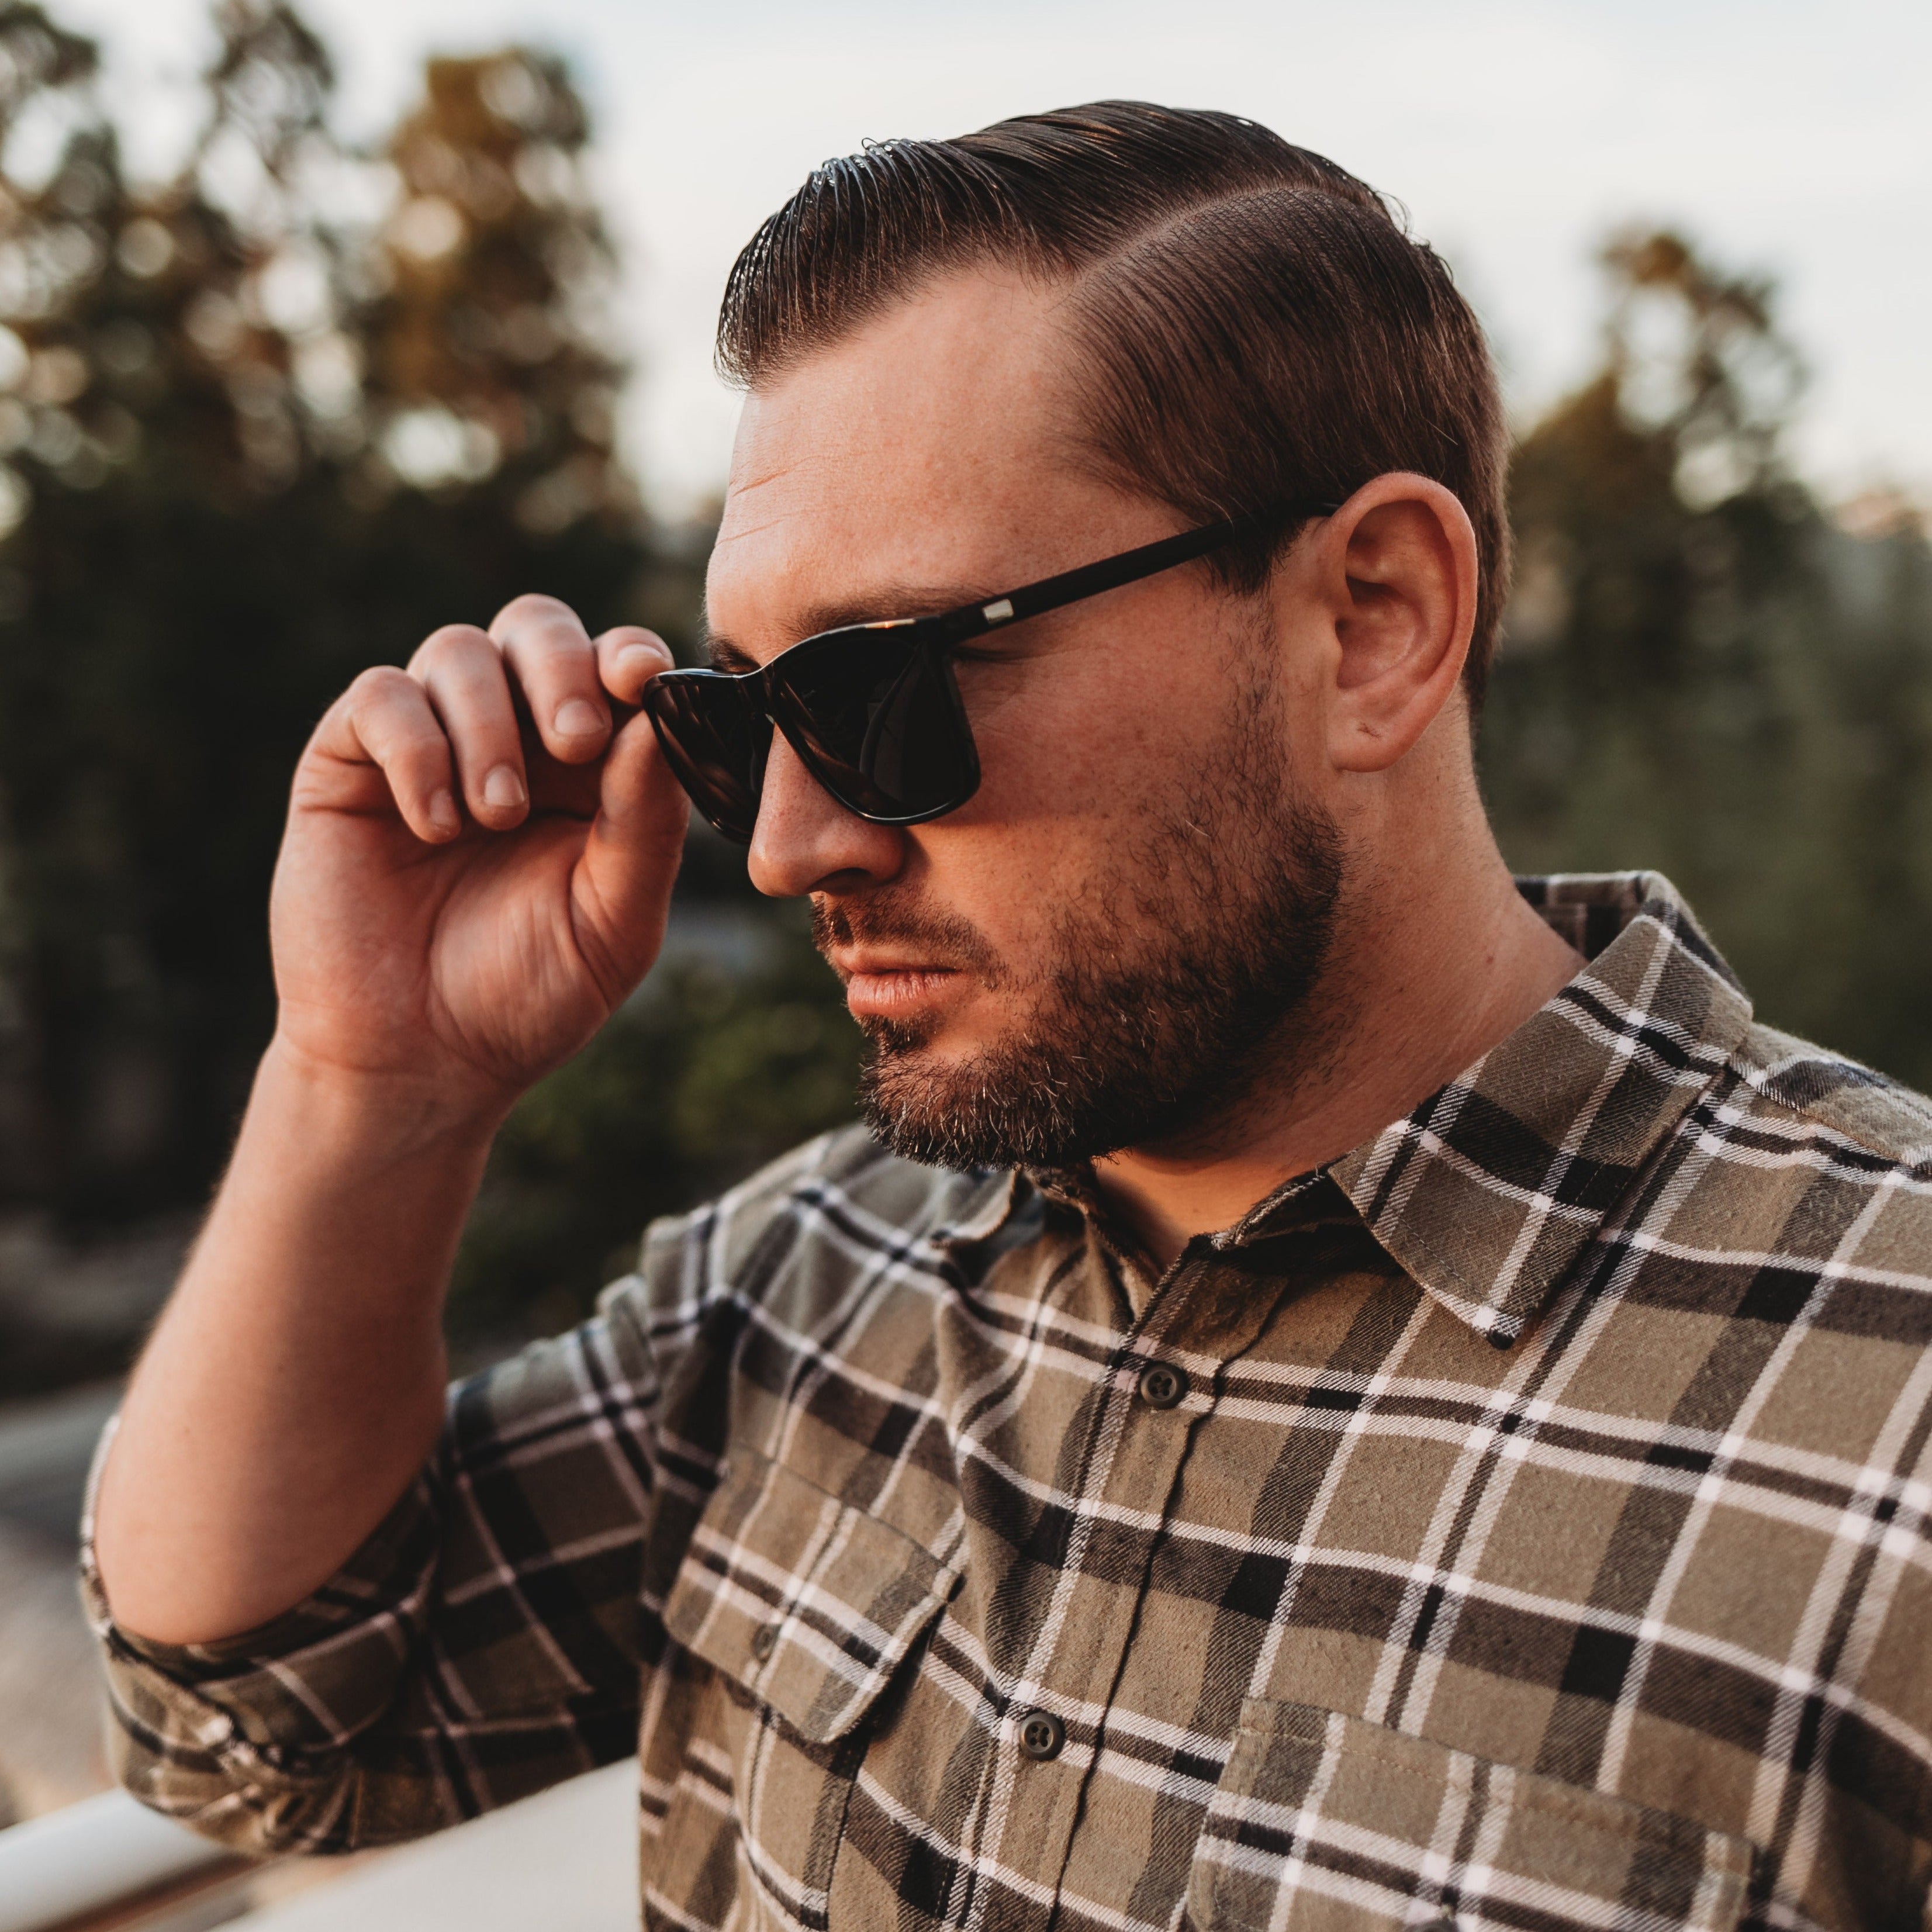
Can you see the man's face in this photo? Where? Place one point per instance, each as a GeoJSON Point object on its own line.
{"type": "Point", "coordinates": [1089, 954]}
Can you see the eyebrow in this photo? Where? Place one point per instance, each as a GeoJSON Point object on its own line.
{"type": "Point", "coordinates": [891, 601]}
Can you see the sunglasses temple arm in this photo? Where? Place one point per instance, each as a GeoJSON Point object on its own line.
{"type": "Point", "coordinates": [1050, 593]}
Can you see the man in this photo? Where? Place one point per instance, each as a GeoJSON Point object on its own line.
{"type": "Point", "coordinates": [1339, 1390]}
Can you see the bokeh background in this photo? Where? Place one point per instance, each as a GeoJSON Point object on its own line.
{"type": "Point", "coordinates": [320, 328]}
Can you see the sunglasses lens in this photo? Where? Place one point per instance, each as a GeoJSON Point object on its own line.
{"type": "Point", "coordinates": [715, 744]}
{"type": "Point", "coordinates": [880, 719]}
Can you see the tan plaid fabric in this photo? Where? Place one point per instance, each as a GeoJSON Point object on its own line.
{"type": "Point", "coordinates": [1521, 1523]}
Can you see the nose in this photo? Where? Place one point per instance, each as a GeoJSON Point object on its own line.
{"type": "Point", "coordinates": [806, 841]}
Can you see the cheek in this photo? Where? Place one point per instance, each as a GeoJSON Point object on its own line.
{"type": "Point", "coordinates": [1089, 738]}
{"type": "Point", "coordinates": [1077, 765]}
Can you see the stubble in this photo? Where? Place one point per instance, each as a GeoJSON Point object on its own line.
{"type": "Point", "coordinates": [1148, 1014]}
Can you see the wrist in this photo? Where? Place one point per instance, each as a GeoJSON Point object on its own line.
{"type": "Point", "coordinates": [380, 1115]}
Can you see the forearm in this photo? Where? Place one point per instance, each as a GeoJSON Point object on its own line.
{"type": "Point", "coordinates": [295, 1384]}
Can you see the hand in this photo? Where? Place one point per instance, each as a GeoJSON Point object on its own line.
{"type": "Point", "coordinates": [469, 887]}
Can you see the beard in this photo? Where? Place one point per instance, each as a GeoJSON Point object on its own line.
{"type": "Point", "coordinates": [1150, 1014]}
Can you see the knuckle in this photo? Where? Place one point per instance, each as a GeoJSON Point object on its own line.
{"type": "Point", "coordinates": [412, 739]}
{"type": "Point", "coordinates": [423, 765]}
{"type": "Point", "coordinates": [484, 737]}
{"type": "Point", "coordinates": [390, 714]}
{"type": "Point", "coordinates": [379, 705]}
{"type": "Point", "coordinates": [452, 644]}
{"type": "Point", "coordinates": [557, 651]}
{"type": "Point", "coordinates": [532, 607]}
{"type": "Point", "coordinates": [373, 686]}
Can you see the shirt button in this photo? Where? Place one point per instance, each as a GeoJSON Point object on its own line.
{"type": "Point", "coordinates": [1041, 1734]}
{"type": "Point", "coordinates": [1162, 1385]}
{"type": "Point", "coordinates": [764, 1641]}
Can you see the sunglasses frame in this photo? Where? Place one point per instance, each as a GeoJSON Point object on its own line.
{"type": "Point", "coordinates": [764, 689]}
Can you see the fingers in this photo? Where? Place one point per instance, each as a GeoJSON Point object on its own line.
{"type": "Point", "coordinates": [628, 658]}
{"type": "Point", "coordinates": [621, 889]}
{"type": "Point", "coordinates": [450, 727]}
{"type": "Point", "coordinates": [546, 645]}
{"type": "Point", "coordinates": [461, 672]}
{"type": "Point", "coordinates": [385, 719]}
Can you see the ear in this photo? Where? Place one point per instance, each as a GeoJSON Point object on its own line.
{"type": "Point", "coordinates": [1396, 579]}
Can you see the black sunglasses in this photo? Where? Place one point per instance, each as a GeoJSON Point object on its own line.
{"type": "Point", "coordinates": [873, 710]}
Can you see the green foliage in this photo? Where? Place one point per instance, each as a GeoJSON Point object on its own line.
{"type": "Point", "coordinates": [700, 1079]}
{"type": "Point", "coordinates": [1701, 674]}
{"type": "Point", "coordinates": [263, 426]}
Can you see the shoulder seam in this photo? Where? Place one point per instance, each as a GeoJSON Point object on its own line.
{"type": "Point", "coordinates": [1755, 1078]}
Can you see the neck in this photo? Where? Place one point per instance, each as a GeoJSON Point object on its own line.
{"type": "Point", "coordinates": [1408, 1000]}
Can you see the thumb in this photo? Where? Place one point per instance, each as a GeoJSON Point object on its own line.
{"type": "Point", "coordinates": [620, 890]}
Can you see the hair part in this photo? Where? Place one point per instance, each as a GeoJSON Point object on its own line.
{"type": "Point", "coordinates": [1254, 326]}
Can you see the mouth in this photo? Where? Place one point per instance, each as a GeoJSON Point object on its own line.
{"type": "Point", "coordinates": [881, 986]}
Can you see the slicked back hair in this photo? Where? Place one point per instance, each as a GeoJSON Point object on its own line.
{"type": "Point", "coordinates": [1252, 325]}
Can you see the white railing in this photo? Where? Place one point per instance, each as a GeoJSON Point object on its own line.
{"type": "Point", "coordinates": [105, 1854]}
{"type": "Point", "coordinates": [565, 1861]}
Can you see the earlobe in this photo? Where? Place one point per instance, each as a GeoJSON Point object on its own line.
{"type": "Point", "coordinates": [1401, 566]}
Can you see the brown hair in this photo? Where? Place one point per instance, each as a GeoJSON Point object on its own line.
{"type": "Point", "coordinates": [1256, 326]}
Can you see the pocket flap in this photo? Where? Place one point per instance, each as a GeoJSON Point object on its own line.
{"type": "Point", "coordinates": [1326, 1823]}
{"type": "Point", "coordinates": [808, 1602]}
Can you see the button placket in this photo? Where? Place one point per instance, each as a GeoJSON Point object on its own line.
{"type": "Point", "coordinates": [1132, 1460]}
{"type": "Point", "coordinates": [1208, 1312]}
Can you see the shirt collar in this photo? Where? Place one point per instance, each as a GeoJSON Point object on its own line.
{"type": "Point", "coordinates": [1486, 1193]}
{"type": "Point", "coordinates": [982, 1204]}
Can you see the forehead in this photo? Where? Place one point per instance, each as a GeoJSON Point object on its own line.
{"type": "Point", "coordinates": [922, 449]}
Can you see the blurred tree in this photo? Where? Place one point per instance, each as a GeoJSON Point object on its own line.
{"type": "Point", "coordinates": [709, 1073]}
{"type": "Point", "coordinates": [489, 353]}
{"type": "Point", "coordinates": [1686, 681]}
{"type": "Point", "coordinates": [259, 427]}
{"type": "Point", "coordinates": [263, 426]}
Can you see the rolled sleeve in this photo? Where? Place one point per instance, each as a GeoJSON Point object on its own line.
{"type": "Point", "coordinates": [484, 1642]}
{"type": "Point", "coordinates": [246, 1739]}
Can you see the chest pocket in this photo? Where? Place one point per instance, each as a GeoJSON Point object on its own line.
{"type": "Point", "coordinates": [805, 1608]}
{"type": "Point", "coordinates": [810, 1604]}
{"type": "Point", "coordinates": [1324, 1823]}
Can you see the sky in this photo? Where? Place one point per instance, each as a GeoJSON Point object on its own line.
{"type": "Point", "coordinates": [1791, 139]}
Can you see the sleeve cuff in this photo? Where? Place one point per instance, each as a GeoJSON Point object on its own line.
{"type": "Point", "coordinates": [309, 1679]}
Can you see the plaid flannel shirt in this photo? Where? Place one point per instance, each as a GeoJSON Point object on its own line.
{"type": "Point", "coordinates": [1521, 1523]}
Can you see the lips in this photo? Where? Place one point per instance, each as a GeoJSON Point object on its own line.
{"type": "Point", "coordinates": [902, 960]}
{"type": "Point", "coordinates": [851, 962]}
{"type": "Point", "coordinates": [879, 987]}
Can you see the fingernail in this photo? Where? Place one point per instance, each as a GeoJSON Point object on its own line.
{"type": "Point", "coordinates": [638, 661]}
{"type": "Point", "coordinates": [443, 815]}
{"type": "Point", "coordinates": [502, 789]}
{"type": "Point", "coordinates": [579, 718]}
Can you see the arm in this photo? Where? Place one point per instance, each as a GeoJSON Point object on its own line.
{"type": "Point", "coordinates": [501, 1629]}
{"type": "Point", "coordinates": [432, 962]}
{"type": "Point", "coordinates": [488, 1639]}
